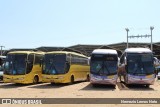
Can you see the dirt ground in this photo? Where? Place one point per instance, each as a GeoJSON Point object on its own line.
{"type": "Point", "coordinates": [80, 90]}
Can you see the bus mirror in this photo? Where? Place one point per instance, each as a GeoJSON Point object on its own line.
{"type": "Point", "coordinates": [125, 61]}
{"type": "Point", "coordinates": [27, 61]}
{"type": "Point", "coordinates": [67, 63]}
{"type": "Point", "coordinates": [3, 66]}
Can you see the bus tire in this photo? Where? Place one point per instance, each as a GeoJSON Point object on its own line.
{"type": "Point", "coordinates": [114, 86]}
{"type": "Point", "coordinates": [88, 78]}
{"type": "Point", "coordinates": [52, 83]}
{"type": "Point", "coordinates": [147, 86]}
{"type": "Point", "coordinates": [94, 85]}
{"type": "Point", "coordinates": [128, 85]}
{"type": "Point", "coordinates": [35, 80]}
{"type": "Point", "coordinates": [72, 79]}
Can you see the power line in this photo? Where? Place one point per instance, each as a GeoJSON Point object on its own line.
{"type": "Point", "coordinates": [140, 36]}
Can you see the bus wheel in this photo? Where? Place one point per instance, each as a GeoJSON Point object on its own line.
{"type": "Point", "coordinates": [35, 81]}
{"type": "Point", "coordinates": [52, 83]}
{"type": "Point", "coordinates": [94, 85]}
{"type": "Point", "coordinates": [147, 86]}
{"type": "Point", "coordinates": [114, 86]}
{"type": "Point", "coordinates": [72, 79]}
{"type": "Point", "coordinates": [128, 85]}
{"type": "Point", "coordinates": [88, 78]}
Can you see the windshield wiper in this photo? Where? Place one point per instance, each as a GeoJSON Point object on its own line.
{"type": "Point", "coordinates": [144, 68]}
{"type": "Point", "coordinates": [52, 66]}
{"type": "Point", "coordinates": [99, 70]}
{"type": "Point", "coordinates": [135, 71]}
{"type": "Point", "coordinates": [106, 68]}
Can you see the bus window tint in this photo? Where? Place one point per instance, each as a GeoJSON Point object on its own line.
{"type": "Point", "coordinates": [106, 64]}
{"type": "Point", "coordinates": [38, 58]}
{"type": "Point", "coordinates": [140, 63]}
{"type": "Point", "coordinates": [96, 67]}
{"type": "Point", "coordinates": [79, 60]}
{"type": "Point", "coordinates": [110, 65]}
{"type": "Point", "coordinates": [146, 58]}
{"type": "Point", "coordinates": [1, 62]}
{"type": "Point", "coordinates": [54, 64]}
{"type": "Point", "coordinates": [147, 62]}
{"type": "Point", "coordinates": [30, 63]}
{"type": "Point", "coordinates": [15, 64]}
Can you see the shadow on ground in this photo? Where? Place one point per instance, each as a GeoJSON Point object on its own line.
{"type": "Point", "coordinates": [135, 87]}
{"type": "Point", "coordinates": [97, 87]}
{"type": "Point", "coordinates": [49, 85]}
{"type": "Point", "coordinates": [12, 85]}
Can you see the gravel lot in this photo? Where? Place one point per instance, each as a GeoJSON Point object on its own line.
{"type": "Point", "coordinates": [79, 90]}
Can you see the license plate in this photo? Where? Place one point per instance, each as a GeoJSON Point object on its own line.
{"type": "Point", "coordinates": [110, 77]}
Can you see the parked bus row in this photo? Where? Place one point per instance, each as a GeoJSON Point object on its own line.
{"type": "Point", "coordinates": [135, 66]}
{"type": "Point", "coordinates": [55, 67]}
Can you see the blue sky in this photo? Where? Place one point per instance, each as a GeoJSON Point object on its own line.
{"type": "Point", "coordinates": [35, 23]}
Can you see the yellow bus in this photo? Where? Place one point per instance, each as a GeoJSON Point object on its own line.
{"type": "Point", "coordinates": [23, 67]}
{"type": "Point", "coordinates": [65, 67]}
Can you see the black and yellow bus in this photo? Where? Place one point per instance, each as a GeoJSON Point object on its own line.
{"type": "Point", "coordinates": [23, 67]}
{"type": "Point", "coordinates": [65, 67]}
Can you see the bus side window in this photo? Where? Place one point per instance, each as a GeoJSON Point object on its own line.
{"type": "Point", "coordinates": [0, 61]}
{"type": "Point", "coordinates": [38, 59]}
{"type": "Point", "coordinates": [67, 67]}
{"type": "Point", "coordinates": [73, 59]}
{"type": "Point", "coordinates": [30, 63]}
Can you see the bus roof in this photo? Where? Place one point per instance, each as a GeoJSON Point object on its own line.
{"type": "Point", "coordinates": [65, 52]}
{"type": "Point", "coordinates": [104, 51]}
{"type": "Point", "coordinates": [25, 52]}
{"type": "Point", "coordinates": [138, 50]}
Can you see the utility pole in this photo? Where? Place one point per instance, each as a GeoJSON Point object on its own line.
{"type": "Point", "coordinates": [151, 28]}
{"type": "Point", "coordinates": [1, 49]}
{"type": "Point", "coordinates": [141, 36]}
{"type": "Point", "coordinates": [127, 30]}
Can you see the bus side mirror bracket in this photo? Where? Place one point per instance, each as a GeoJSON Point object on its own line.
{"type": "Point", "coordinates": [67, 66]}
{"type": "Point", "coordinates": [125, 61]}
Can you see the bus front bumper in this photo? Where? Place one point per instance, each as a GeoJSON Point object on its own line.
{"type": "Point", "coordinates": [53, 79]}
{"type": "Point", "coordinates": [140, 80]}
{"type": "Point", "coordinates": [110, 80]}
{"type": "Point", "coordinates": [14, 79]}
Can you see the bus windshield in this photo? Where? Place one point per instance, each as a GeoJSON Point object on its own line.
{"type": "Point", "coordinates": [54, 64]}
{"type": "Point", "coordinates": [140, 63]}
{"type": "Point", "coordinates": [104, 64]}
{"type": "Point", "coordinates": [15, 64]}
